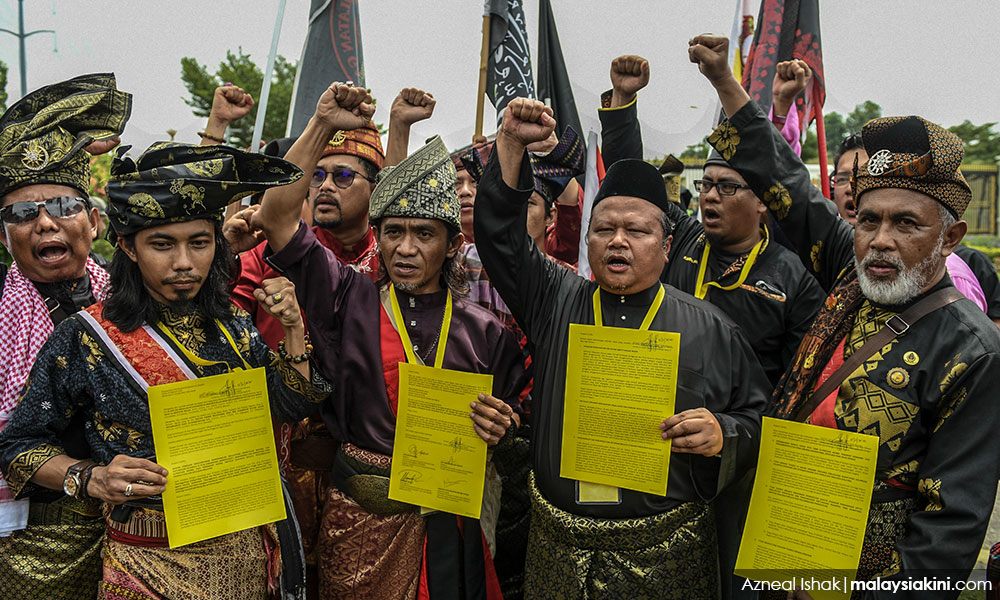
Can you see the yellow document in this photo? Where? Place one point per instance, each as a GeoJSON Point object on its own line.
{"type": "Point", "coordinates": [809, 507]}
{"type": "Point", "coordinates": [620, 385]}
{"type": "Point", "coordinates": [438, 460]}
{"type": "Point", "coordinates": [214, 437]}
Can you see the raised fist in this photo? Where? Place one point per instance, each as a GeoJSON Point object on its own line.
{"type": "Point", "coordinates": [526, 121]}
{"type": "Point", "coordinates": [344, 107]}
{"type": "Point", "coordinates": [242, 230]}
{"type": "Point", "coordinates": [277, 298]}
{"type": "Point", "coordinates": [410, 106]}
{"type": "Point", "coordinates": [711, 54]}
{"type": "Point", "coordinates": [96, 148]}
{"type": "Point", "coordinates": [629, 74]}
{"type": "Point", "coordinates": [230, 103]}
{"type": "Point", "coordinates": [790, 78]}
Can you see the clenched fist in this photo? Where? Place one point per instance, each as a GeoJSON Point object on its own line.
{"type": "Point", "coordinates": [410, 106]}
{"type": "Point", "coordinates": [790, 78]}
{"type": "Point", "coordinates": [526, 121]}
{"type": "Point", "coordinates": [711, 54]}
{"type": "Point", "coordinates": [343, 107]}
{"type": "Point", "coordinates": [629, 74]}
{"type": "Point", "coordinates": [230, 103]}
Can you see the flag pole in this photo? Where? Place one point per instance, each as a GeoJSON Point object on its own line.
{"type": "Point", "coordinates": [265, 92]}
{"type": "Point", "coordinates": [824, 175]}
{"type": "Point", "coordinates": [484, 56]}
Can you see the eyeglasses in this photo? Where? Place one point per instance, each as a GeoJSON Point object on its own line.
{"type": "Point", "coordinates": [841, 178]}
{"type": "Point", "coordinates": [725, 188]}
{"type": "Point", "coordinates": [25, 212]}
{"type": "Point", "coordinates": [342, 178]}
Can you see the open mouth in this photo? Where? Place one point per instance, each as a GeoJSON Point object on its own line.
{"type": "Point", "coordinates": [850, 208]}
{"type": "Point", "coordinates": [617, 263]}
{"type": "Point", "coordinates": [404, 269]}
{"type": "Point", "coordinates": [710, 216]}
{"type": "Point", "coordinates": [51, 252]}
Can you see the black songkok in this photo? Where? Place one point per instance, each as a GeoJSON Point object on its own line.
{"type": "Point", "coordinates": [635, 178]}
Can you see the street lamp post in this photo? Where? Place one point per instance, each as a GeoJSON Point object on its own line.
{"type": "Point", "coordinates": [21, 36]}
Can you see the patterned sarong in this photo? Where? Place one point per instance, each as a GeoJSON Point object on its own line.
{"type": "Point", "coordinates": [58, 556]}
{"type": "Point", "coordinates": [670, 556]}
{"type": "Point", "coordinates": [229, 567]}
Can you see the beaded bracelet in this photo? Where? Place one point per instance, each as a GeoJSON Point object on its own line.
{"type": "Point", "coordinates": [301, 358]}
{"type": "Point", "coordinates": [209, 136]}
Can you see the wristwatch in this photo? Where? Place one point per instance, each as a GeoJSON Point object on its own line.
{"type": "Point", "coordinates": [75, 483]}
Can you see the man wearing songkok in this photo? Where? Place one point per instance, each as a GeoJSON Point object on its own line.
{"type": "Point", "coordinates": [371, 546]}
{"type": "Point", "coordinates": [339, 190]}
{"type": "Point", "coordinates": [167, 318]}
{"type": "Point", "coordinates": [48, 225]}
{"type": "Point", "coordinates": [637, 544]}
{"type": "Point", "coordinates": [927, 388]}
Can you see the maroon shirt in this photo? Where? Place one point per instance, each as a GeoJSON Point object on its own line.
{"type": "Point", "coordinates": [343, 313]}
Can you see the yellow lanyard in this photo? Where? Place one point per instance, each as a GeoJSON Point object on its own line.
{"type": "Point", "coordinates": [646, 322]}
{"type": "Point", "coordinates": [201, 361]}
{"type": "Point", "coordinates": [701, 288]}
{"type": "Point", "coordinates": [405, 337]}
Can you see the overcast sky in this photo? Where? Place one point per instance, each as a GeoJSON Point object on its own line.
{"type": "Point", "coordinates": [927, 57]}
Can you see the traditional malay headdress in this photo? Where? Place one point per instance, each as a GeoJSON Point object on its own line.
{"type": "Point", "coordinates": [363, 142]}
{"type": "Point", "coordinates": [551, 171]}
{"type": "Point", "coordinates": [422, 186]}
{"type": "Point", "coordinates": [671, 171]}
{"type": "Point", "coordinates": [42, 141]}
{"type": "Point", "coordinates": [635, 178]}
{"type": "Point", "coordinates": [913, 153]}
{"type": "Point", "coordinates": [43, 135]}
{"type": "Point", "coordinates": [173, 182]}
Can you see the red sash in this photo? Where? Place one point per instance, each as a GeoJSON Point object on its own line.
{"type": "Point", "coordinates": [824, 413]}
{"type": "Point", "coordinates": [141, 351]}
{"type": "Point", "coordinates": [392, 355]}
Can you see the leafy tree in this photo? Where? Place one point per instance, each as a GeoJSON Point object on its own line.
{"type": "Point", "coordinates": [838, 127]}
{"type": "Point", "coordinates": [810, 147]}
{"type": "Point", "coordinates": [239, 70]}
{"type": "Point", "coordinates": [699, 150]}
{"type": "Point", "coordinates": [3, 86]}
{"type": "Point", "coordinates": [982, 143]}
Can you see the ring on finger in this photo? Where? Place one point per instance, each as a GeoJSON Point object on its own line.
{"type": "Point", "coordinates": [128, 491]}
{"type": "Point", "coordinates": [276, 297]}
{"type": "Point", "coordinates": [141, 482]}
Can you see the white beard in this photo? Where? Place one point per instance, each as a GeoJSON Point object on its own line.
{"type": "Point", "coordinates": [908, 282]}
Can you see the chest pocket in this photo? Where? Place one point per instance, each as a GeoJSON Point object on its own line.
{"type": "Point", "coordinates": [691, 390]}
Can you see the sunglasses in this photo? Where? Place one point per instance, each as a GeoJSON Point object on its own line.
{"type": "Point", "coordinates": [25, 212]}
{"type": "Point", "coordinates": [342, 178]}
{"type": "Point", "coordinates": [725, 188]}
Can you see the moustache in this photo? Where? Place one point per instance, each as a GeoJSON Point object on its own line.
{"type": "Point", "coordinates": [181, 279]}
{"type": "Point", "coordinates": [326, 198]}
{"type": "Point", "coordinates": [608, 256]}
{"type": "Point", "coordinates": [876, 255]}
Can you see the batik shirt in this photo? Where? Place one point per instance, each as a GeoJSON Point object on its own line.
{"type": "Point", "coordinates": [75, 382]}
{"type": "Point", "coordinates": [717, 369]}
{"type": "Point", "coordinates": [929, 395]}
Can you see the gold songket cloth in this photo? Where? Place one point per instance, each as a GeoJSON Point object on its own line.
{"type": "Point", "coordinates": [669, 556]}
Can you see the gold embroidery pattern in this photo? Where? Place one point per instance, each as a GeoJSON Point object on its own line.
{"type": "Point", "coordinates": [871, 410]}
{"type": "Point", "coordinates": [61, 362]}
{"type": "Point", "coordinates": [25, 464]}
{"type": "Point", "coordinates": [952, 376]}
{"type": "Point", "coordinates": [294, 380]}
{"type": "Point", "coordinates": [867, 323]}
{"type": "Point", "coordinates": [904, 471]}
{"type": "Point", "coordinates": [116, 432]}
{"type": "Point", "coordinates": [189, 329]}
{"type": "Point", "coordinates": [956, 401]}
{"type": "Point", "coordinates": [145, 205]}
{"type": "Point", "coordinates": [814, 254]}
{"type": "Point", "coordinates": [725, 138]}
{"type": "Point", "coordinates": [95, 355]}
{"type": "Point", "coordinates": [895, 566]}
{"type": "Point", "coordinates": [778, 200]}
{"type": "Point", "coordinates": [931, 489]}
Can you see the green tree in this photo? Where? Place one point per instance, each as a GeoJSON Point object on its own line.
{"type": "Point", "coordinates": [239, 70]}
{"type": "Point", "coordinates": [810, 147]}
{"type": "Point", "coordinates": [982, 143]}
{"type": "Point", "coordinates": [838, 127]}
{"type": "Point", "coordinates": [3, 86]}
{"type": "Point", "coordinates": [699, 150]}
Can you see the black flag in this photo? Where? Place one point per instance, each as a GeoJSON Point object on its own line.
{"type": "Point", "coordinates": [332, 52]}
{"type": "Point", "coordinates": [553, 80]}
{"type": "Point", "coordinates": [508, 73]}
